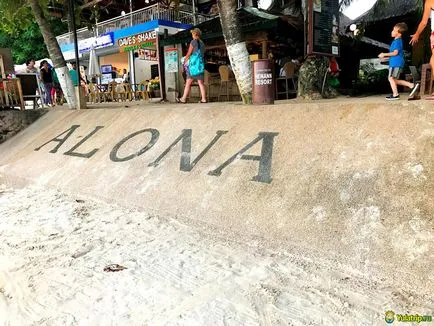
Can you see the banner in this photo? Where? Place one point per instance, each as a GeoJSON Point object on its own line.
{"type": "Point", "coordinates": [138, 41]}
{"type": "Point", "coordinates": [171, 60]}
{"type": "Point", "coordinates": [98, 42]}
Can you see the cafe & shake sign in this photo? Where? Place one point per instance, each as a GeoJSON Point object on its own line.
{"type": "Point", "coordinates": [138, 41]}
{"type": "Point", "coordinates": [187, 163]}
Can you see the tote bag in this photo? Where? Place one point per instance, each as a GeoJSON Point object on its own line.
{"type": "Point", "coordinates": [196, 64]}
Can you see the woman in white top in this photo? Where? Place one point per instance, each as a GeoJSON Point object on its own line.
{"type": "Point", "coordinates": [125, 76]}
{"type": "Point", "coordinates": [428, 12]}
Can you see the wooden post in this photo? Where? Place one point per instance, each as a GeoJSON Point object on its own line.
{"type": "Point", "coordinates": [20, 94]}
{"type": "Point", "coordinates": [264, 49]}
{"type": "Point", "coordinates": [5, 88]}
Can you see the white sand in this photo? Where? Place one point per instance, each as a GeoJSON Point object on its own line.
{"type": "Point", "coordinates": [53, 250]}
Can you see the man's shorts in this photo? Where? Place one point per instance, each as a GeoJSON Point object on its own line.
{"type": "Point", "coordinates": [394, 72]}
{"type": "Point", "coordinates": [432, 40]}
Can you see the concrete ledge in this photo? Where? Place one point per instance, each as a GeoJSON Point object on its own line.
{"type": "Point", "coordinates": [349, 177]}
{"type": "Point", "coordinates": [13, 121]}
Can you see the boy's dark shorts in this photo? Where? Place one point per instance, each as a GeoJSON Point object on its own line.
{"type": "Point", "coordinates": [395, 72]}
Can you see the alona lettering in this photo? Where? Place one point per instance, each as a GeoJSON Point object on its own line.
{"type": "Point", "coordinates": [185, 138]}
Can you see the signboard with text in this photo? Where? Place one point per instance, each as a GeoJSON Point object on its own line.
{"type": "Point", "coordinates": [98, 42]}
{"type": "Point", "coordinates": [323, 27]}
{"type": "Point", "coordinates": [171, 60]}
{"type": "Point", "coordinates": [138, 41]}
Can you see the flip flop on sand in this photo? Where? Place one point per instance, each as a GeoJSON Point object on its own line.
{"type": "Point", "coordinates": [430, 98]}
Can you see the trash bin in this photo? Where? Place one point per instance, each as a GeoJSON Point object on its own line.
{"type": "Point", "coordinates": [263, 82]}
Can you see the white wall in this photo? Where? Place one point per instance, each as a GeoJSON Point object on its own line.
{"type": "Point", "coordinates": [143, 69]}
{"type": "Point", "coordinates": [170, 30]}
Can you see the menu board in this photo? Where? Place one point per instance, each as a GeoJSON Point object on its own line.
{"type": "Point", "coordinates": [323, 28]}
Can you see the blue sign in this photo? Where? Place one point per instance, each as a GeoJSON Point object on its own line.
{"type": "Point", "coordinates": [98, 42]}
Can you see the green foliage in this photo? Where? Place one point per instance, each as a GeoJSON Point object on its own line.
{"type": "Point", "coordinates": [16, 16]}
{"type": "Point", "coordinates": [19, 31]}
{"type": "Point", "coordinates": [29, 44]}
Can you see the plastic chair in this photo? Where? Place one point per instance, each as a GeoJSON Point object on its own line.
{"type": "Point", "coordinates": [225, 80]}
{"type": "Point", "coordinates": [208, 82]}
{"type": "Point", "coordinates": [95, 95]}
{"type": "Point", "coordinates": [110, 93]}
{"type": "Point", "coordinates": [125, 92]}
{"type": "Point", "coordinates": [142, 91]}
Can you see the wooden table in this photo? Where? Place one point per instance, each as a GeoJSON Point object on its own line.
{"type": "Point", "coordinates": [11, 93]}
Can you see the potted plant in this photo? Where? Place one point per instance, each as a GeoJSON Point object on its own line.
{"type": "Point", "coordinates": [154, 87]}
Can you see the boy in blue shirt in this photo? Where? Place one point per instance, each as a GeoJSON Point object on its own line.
{"type": "Point", "coordinates": [396, 63]}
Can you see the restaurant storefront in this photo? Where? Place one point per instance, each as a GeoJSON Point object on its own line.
{"type": "Point", "coordinates": [134, 48]}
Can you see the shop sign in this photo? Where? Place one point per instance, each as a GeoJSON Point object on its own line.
{"type": "Point", "coordinates": [138, 41]}
{"type": "Point", "coordinates": [171, 60]}
{"type": "Point", "coordinates": [70, 55]}
{"type": "Point", "coordinates": [98, 42]}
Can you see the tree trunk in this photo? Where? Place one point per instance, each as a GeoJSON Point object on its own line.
{"type": "Point", "coordinates": [55, 54]}
{"type": "Point", "coordinates": [313, 81]}
{"type": "Point", "coordinates": [237, 50]}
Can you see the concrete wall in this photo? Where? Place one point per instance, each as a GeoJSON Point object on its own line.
{"type": "Point", "coordinates": [353, 177]}
{"type": "Point", "coordinates": [143, 69]}
{"type": "Point", "coordinates": [13, 121]}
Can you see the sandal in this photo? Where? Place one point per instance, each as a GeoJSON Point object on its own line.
{"type": "Point", "coordinates": [178, 100]}
{"type": "Point", "coordinates": [202, 101]}
{"type": "Point", "coordinates": [430, 98]}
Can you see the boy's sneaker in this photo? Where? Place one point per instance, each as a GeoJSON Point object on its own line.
{"type": "Point", "coordinates": [392, 98]}
{"type": "Point", "coordinates": [414, 90]}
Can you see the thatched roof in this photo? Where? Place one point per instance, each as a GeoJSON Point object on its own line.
{"type": "Point", "coordinates": [344, 23]}
{"type": "Point", "coordinates": [393, 8]}
{"type": "Point", "coordinates": [378, 22]}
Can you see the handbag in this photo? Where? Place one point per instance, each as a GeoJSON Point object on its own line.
{"type": "Point", "coordinates": [196, 65]}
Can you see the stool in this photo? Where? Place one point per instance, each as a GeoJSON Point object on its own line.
{"type": "Point", "coordinates": [426, 76]}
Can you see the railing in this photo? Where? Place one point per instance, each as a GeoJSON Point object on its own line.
{"type": "Point", "coordinates": [135, 18]}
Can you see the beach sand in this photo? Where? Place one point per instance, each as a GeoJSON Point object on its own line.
{"type": "Point", "coordinates": [55, 247]}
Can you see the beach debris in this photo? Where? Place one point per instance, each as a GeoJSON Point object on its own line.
{"type": "Point", "coordinates": [79, 200]}
{"type": "Point", "coordinates": [82, 252]}
{"type": "Point", "coordinates": [114, 268]}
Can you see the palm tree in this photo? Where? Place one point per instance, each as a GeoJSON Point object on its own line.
{"type": "Point", "coordinates": [237, 50]}
{"type": "Point", "coordinates": [55, 53]}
